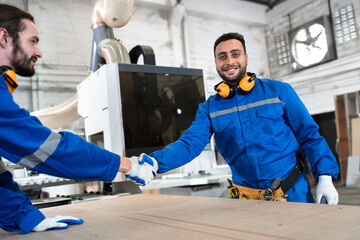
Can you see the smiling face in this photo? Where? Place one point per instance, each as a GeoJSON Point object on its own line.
{"type": "Point", "coordinates": [25, 51]}
{"type": "Point", "coordinates": [231, 61]}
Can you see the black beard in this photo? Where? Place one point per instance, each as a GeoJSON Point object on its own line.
{"type": "Point", "coordinates": [21, 63]}
{"type": "Point", "coordinates": [235, 79]}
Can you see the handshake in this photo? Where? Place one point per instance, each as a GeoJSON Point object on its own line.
{"type": "Point", "coordinates": [143, 169]}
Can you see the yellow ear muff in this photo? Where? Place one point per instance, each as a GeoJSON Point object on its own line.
{"type": "Point", "coordinates": [246, 84]}
{"type": "Point", "coordinates": [225, 90]}
{"type": "Point", "coordinates": [10, 77]}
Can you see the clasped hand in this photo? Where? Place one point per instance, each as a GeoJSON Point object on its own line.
{"type": "Point", "coordinates": [143, 169]}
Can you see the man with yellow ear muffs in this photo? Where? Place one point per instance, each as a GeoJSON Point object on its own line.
{"type": "Point", "coordinates": [258, 125]}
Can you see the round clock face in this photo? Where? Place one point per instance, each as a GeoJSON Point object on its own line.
{"type": "Point", "coordinates": [309, 45]}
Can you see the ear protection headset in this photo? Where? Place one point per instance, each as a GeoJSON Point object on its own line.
{"type": "Point", "coordinates": [245, 85]}
{"type": "Point", "coordinates": [9, 75]}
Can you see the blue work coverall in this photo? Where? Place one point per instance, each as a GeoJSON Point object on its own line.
{"type": "Point", "coordinates": [258, 135]}
{"type": "Point", "coordinates": [25, 141]}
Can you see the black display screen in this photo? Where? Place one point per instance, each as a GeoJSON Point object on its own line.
{"type": "Point", "coordinates": [158, 104]}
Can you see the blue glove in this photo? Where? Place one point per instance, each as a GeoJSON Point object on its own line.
{"type": "Point", "coordinates": [143, 169]}
{"type": "Point", "coordinates": [56, 222]}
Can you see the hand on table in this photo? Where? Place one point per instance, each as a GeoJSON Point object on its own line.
{"type": "Point", "coordinates": [56, 222]}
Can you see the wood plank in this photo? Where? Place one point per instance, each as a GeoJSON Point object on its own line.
{"type": "Point", "coordinates": [342, 134]}
{"type": "Point", "coordinates": [355, 135]}
{"type": "Point", "coordinates": [153, 216]}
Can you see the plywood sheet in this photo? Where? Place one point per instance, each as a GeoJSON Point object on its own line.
{"type": "Point", "coordinates": [152, 216]}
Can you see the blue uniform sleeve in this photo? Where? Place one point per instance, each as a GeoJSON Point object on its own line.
{"type": "Point", "coordinates": [24, 140]}
{"type": "Point", "coordinates": [321, 159]}
{"type": "Point", "coordinates": [188, 146]}
{"type": "Point", "coordinates": [77, 159]}
{"type": "Point", "coordinates": [17, 214]}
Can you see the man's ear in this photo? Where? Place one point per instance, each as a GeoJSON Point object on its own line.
{"type": "Point", "coordinates": [3, 37]}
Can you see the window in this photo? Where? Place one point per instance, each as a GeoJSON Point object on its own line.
{"type": "Point", "coordinates": [344, 22]}
{"type": "Point", "coordinates": [282, 49]}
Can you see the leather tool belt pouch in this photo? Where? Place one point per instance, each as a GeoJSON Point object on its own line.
{"type": "Point", "coordinates": [236, 191]}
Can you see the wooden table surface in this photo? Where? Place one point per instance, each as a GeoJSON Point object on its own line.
{"type": "Point", "coordinates": [153, 216]}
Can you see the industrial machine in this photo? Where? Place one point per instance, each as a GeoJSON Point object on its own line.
{"type": "Point", "coordinates": [130, 109]}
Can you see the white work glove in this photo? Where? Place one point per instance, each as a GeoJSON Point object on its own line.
{"type": "Point", "coordinates": [143, 169]}
{"type": "Point", "coordinates": [325, 188]}
{"type": "Point", "coordinates": [56, 222]}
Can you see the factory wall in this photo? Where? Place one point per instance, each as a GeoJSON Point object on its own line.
{"type": "Point", "coordinates": [318, 85]}
{"type": "Point", "coordinates": [181, 36]}
{"type": "Point", "coordinates": [184, 38]}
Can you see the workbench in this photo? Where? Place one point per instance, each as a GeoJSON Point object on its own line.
{"type": "Point", "coordinates": [155, 216]}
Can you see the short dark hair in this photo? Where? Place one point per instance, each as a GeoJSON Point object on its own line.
{"type": "Point", "coordinates": [229, 36]}
{"type": "Point", "coordinates": [10, 19]}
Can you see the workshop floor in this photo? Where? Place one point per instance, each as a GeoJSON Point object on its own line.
{"type": "Point", "coordinates": [348, 195]}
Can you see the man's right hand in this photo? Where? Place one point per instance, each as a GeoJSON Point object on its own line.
{"type": "Point", "coordinates": [325, 188]}
{"type": "Point", "coordinates": [143, 169]}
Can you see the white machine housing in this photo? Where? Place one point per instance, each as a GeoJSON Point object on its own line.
{"type": "Point", "coordinates": [99, 103]}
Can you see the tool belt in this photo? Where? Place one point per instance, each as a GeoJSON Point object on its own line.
{"type": "Point", "coordinates": [276, 192]}
{"type": "Point", "coordinates": [236, 191]}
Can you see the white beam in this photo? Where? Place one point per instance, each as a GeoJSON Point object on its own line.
{"type": "Point", "coordinates": [244, 12]}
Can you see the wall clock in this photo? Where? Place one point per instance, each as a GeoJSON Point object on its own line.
{"type": "Point", "coordinates": [312, 44]}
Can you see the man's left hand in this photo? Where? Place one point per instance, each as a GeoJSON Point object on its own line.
{"type": "Point", "coordinates": [326, 189]}
{"type": "Point", "coordinates": [56, 222]}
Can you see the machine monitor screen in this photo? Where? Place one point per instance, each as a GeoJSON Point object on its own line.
{"type": "Point", "coordinates": [158, 104]}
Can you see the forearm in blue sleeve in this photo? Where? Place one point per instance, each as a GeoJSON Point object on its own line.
{"type": "Point", "coordinates": [24, 140]}
{"type": "Point", "coordinates": [188, 146]}
{"type": "Point", "coordinates": [175, 155]}
{"type": "Point", "coordinates": [78, 159]}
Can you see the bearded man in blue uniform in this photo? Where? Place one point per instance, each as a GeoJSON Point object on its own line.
{"type": "Point", "coordinates": [258, 125]}
{"type": "Point", "coordinates": [25, 141]}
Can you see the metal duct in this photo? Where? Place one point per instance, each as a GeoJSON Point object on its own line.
{"type": "Point", "coordinates": [106, 15]}
{"type": "Point", "coordinates": [113, 51]}
{"type": "Point", "coordinates": [59, 115]}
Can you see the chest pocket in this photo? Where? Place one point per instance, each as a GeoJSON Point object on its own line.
{"type": "Point", "coordinates": [270, 111]}
{"type": "Point", "coordinates": [219, 123]}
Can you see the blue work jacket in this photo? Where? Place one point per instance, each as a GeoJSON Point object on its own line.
{"type": "Point", "coordinates": [25, 141]}
{"type": "Point", "coordinates": [258, 135]}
